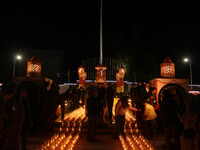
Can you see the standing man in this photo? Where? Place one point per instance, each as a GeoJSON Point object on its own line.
{"type": "Point", "coordinates": [53, 99]}
{"type": "Point", "coordinates": [109, 97]}
{"type": "Point", "coordinates": [152, 97]}
{"type": "Point", "coordinates": [101, 96]}
{"type": "Point", "coordinates": [137, 95]}
{"type": "Point", "coordinates": [133, 96]}
{"type": "Point", "coordinates": [23, 97]}
{"type": "Point", "coordinates": [92, 111]}
{"type": "Point", "coordinates": [170, 118]}
{"type": "Point", "coordinates": [133, 92]}
{"type": "Point", "coordinates": [11, 118]}
{"type": "Point", "coordinates": [144, 93]}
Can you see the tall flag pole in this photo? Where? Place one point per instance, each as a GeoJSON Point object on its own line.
{"type": "Point", "coordinates": [101, 69]}
{"type": "Point", "coordinates": [101, 35]}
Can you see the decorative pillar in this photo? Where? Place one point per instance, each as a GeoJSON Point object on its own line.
{"type": "Point", "coordinates": [117, 83]}
{"type": "Point", "coordinates": [80, 73]}
{"type": "Point", "coordinates": [34, 67]}
{"type": "Point", "coordinates": [84, 75]}
{"type": "Point", "coordinates": [122, 74]}
{"type": "Point", "coordinates": [121, 85]}
{"type": "Point", "coordinates": [101, 74]}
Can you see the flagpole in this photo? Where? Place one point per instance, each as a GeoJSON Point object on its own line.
{"type": "Point", "coordinates": [101, 34]}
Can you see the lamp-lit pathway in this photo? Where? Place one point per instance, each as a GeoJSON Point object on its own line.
{"type": "Point", "coordinates": [106, 142]}
{"type": "Point", "coordinates": [72, 135]}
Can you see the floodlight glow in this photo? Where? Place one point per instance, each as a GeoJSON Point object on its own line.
{"type": "Point", "coordinates": [19, 57]}
{"type": "Point", "coordinates": [186, 60]}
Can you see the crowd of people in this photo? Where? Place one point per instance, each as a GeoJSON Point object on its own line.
{"type": "Point", "coordinates": [179, 121]}
{"type": "Point", "coordinates": [17, 114]}
{"type": "Point", "coordinates": [20, 112]}
{"type": "Point", "coordinates": [169, 116]}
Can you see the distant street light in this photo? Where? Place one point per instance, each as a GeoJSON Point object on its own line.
{"type": "Point", "coordinates": [17, 57]}
{"type": "Point", "coordinates": [188, 60]}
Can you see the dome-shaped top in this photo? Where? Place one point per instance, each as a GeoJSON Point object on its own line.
{"type": "Point", "coordinates": [81, 70]}
{"type": "Point", "coordinates": [35, 59]}
{"type": "Point", "coordinates": [167, 60]}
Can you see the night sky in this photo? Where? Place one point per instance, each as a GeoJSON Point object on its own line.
{"type": "Point", "coordinates": [159, 29]}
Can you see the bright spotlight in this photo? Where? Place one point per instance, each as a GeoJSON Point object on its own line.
{"type": "Point", "coordinates": [186, 60]}
{"type": "Point", "coordinates": [19, 57]}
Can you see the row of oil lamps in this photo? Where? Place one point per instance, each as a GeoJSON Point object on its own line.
{"type": "Point", "coordinates": [133, 140]}
{"type": "Point", "coordinates": [60, 142]}
{"type": "Point", "coordinates": [69, 132]}
{"type": "Point", "coordinates": [71, 127]}
{"type": "Point", "coordinates": [135, 143]}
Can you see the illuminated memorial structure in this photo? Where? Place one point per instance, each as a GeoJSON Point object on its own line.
{"type": "Point", "coordinates": [34, 83]}
{"type": "Point", "coordinates": [82, 76]}
{"type": "Point", "coordinates": [101, 74]}
{"type": "Point", "coordinates": [34, 67]}
{"type": "Point", "coordinates": [167, 68]}
{"type": "Point", "coordinates": [33, 74]}
{"type": "Point", "coordinates": [168, 80]}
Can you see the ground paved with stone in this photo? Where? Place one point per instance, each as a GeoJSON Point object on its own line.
{"type": "Point", "coordinates": [37, 138]}
{"type": "Point", "coordinates": [105, 142]}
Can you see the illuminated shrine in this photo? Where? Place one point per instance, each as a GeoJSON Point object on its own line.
{"type": "Point", "coordinates": [168, 81]}
{"type": "Point", "coordinates": [167, 68]}
{"type": "Point", "coordinates": [34, 67]}
{"type": "Point", "coordinates": [33, 74]}
{"type": "Point", "coordinates": [82, 76]}
{"type": "Point", "coordinates": [101, 74]}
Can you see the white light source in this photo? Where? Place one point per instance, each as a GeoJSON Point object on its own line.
{"type": "Point", "coordinates": [186, 60]}
{"type": "Point", "coordinates": [19, 57]}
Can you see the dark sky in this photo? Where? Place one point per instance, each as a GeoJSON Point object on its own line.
{"type": "Point", "coordinates": [163, 29]}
